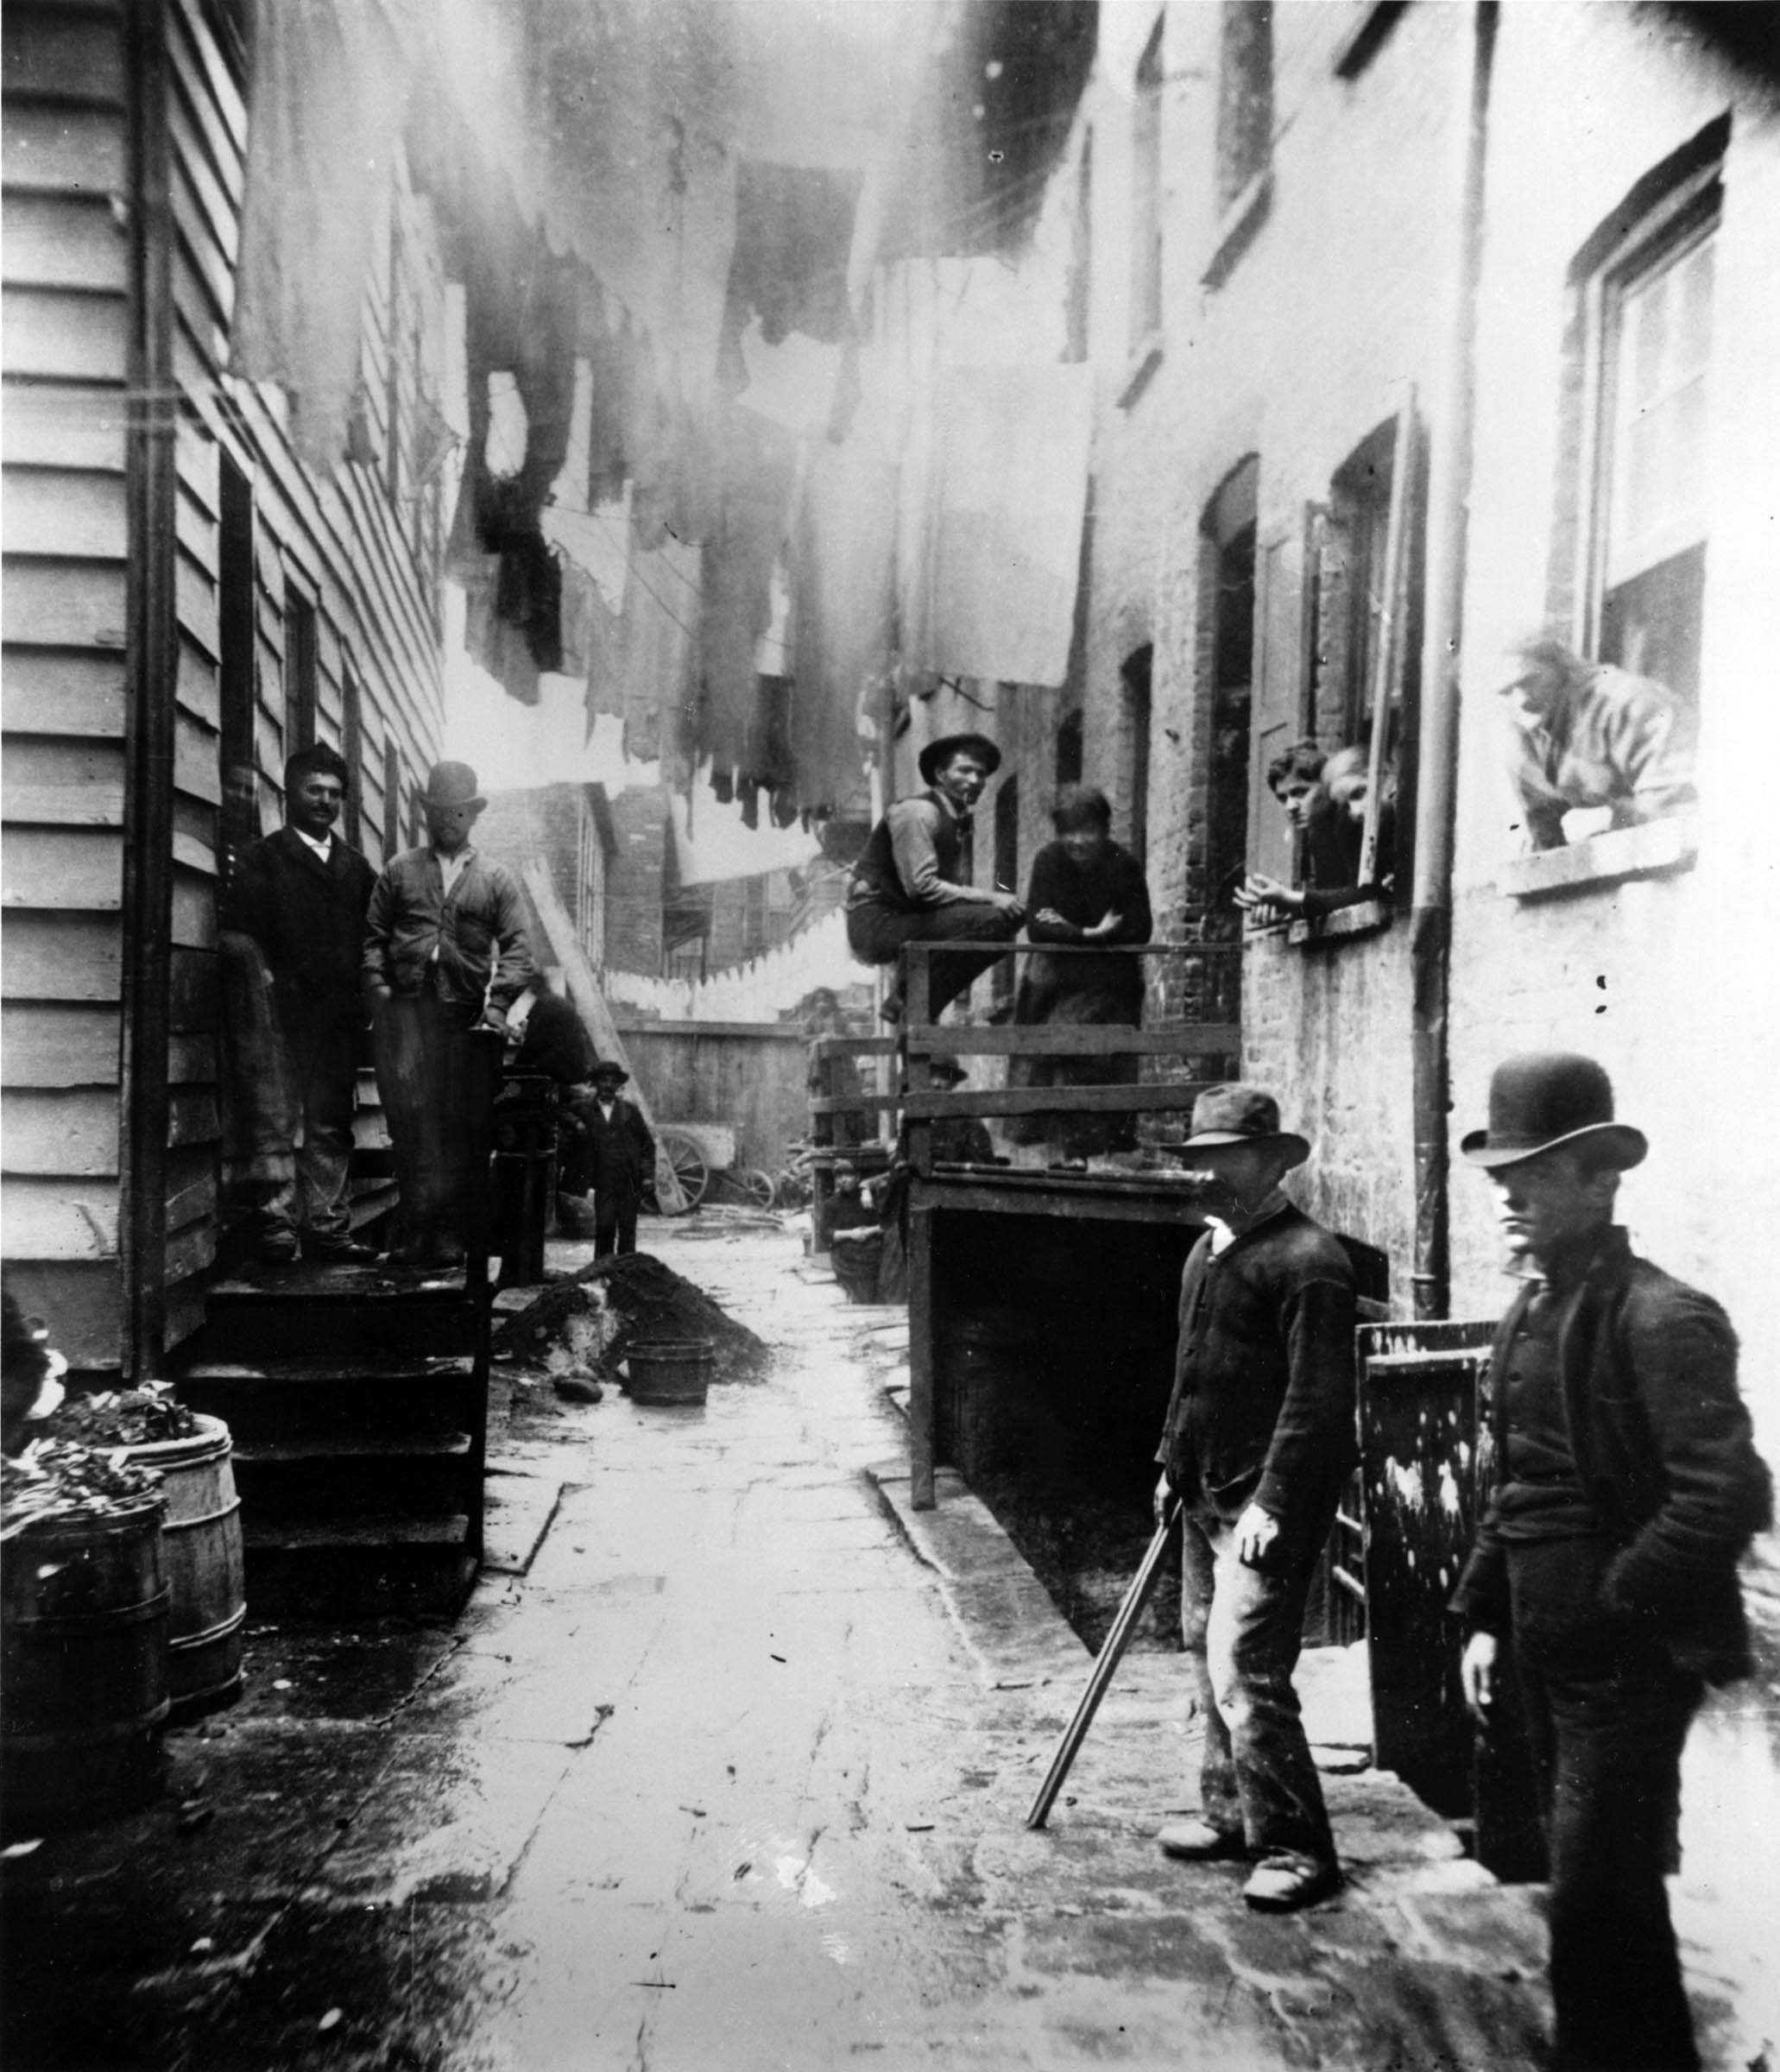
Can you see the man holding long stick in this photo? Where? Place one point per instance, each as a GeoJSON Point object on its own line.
{"type": "Point", "coordinates": [1258, 1442]}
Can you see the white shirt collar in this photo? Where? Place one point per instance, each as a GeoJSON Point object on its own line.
{"type": "Point", "coordinates": [323, 849]}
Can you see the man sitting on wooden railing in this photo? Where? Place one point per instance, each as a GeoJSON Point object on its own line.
{"type": "Point", "coordinates": [909, 884]}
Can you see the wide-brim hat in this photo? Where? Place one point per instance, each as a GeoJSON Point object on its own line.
{"type": "Point", "coordinates": [451, 784]}
{"type": "Point", "coordinates": [1542, 1099]}
{"type": "Point", "coordinates": [608, 1068]}
{"type": "Point", "coordinates": [1236, 1114]}
{"type": "Point", "coordinates": [935, 753]}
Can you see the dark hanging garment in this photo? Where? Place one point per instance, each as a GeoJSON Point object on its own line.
{"type": "Point", "coordinates": [759, 462]}
{"type": "Point", "coordinates": [793, 238]}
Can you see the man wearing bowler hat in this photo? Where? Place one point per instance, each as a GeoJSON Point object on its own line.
{"type": "Point", "coordinates": [1626, 1487]}
{"type": "Point", "coordinates": [910, 885]}
{"type": "Point", "coordinates": [1257, 1443]}
{"type": "Point", "coordinates": [446, 955]}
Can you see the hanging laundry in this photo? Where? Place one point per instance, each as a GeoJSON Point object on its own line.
{"type": "Point", "coordinates": [1007, 486]}
{"type": "Point", "coordinates": [500, 648]}
{"type": "Point", "coordinates": [843, 592]}
{"type": "Point", "coordinates": [758, 463]}
{"type": "Point", "coordinates": [658, 651]}
{"type": "Point", "coordinates": [330, 78]}
{"type": "Point", "coordinates": [793, 237]}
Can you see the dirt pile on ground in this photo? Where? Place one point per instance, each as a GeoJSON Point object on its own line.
{"type": "Point", "coordinates": [642, 1299]}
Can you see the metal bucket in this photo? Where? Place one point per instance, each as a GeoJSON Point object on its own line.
{"type": "Point", "coordinates": [83, 1683]}
{"type": "Point", "coordinates": [201, 1543]}
{"type": "Point", "coordinates": [671, 1370]}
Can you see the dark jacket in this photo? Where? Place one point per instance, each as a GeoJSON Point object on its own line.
{"type": "Point", "coordinates": [879, 877]}
{"type": "Point", "coordinates": [411, 915]}
{"type": "Point", "coordinates": [308, 918]}
{"type": "Point", "coordinates": [620, 1154]}
{"type": "Point", "coordinates": [1084, 988]}
{"type": "Point", "coordinates": [1262, 1408]}
{"type": "Point", "coordinates": [1664, 1451]}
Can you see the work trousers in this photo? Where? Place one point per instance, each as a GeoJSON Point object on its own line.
{"type": "Point", "coordinates": [876, 933]}
{"type": "Point", "coordinates": [1608, 1713]}
{"type": "Point", "coordinates": [1243, 1628]}
{"type": "Point", "coordinates": [615, 1211]}
{"type": "Point", "coordinates": [308, 1152]}
{"type": "Point", "coordinates": [437, 1083]}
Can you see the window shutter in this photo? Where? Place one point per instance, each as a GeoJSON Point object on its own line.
{"type": "Point", "coordinates": [1284, 615]}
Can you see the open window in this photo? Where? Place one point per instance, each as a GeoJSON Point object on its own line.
{"type": "Point", "coordinates": [1614, 776]}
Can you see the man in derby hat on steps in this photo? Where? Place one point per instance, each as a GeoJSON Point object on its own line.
{"type": "Point", "coordinates": [1627, 1486]}
{"type": "Point", "coordinates": [1258, 1442]}
{"type": "Point", "coordinates": [446, 955]}
{"type": "Point", "coordinates": [911, 881]}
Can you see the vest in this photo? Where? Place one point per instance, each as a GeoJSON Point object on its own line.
{"type": "Point", "coordinates": [874, 875]}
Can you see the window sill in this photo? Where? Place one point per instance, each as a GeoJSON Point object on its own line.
{"type": "Point", "coordinates": [1655, 849]}
{"type": "Point", "coordinates": [1345, 924]}
{"type": "Point", "coordinates": [1237, 227]}
{"type": "Point", "coordinates": [1146, 358]}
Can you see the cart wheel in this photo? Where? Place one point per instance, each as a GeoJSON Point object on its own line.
{"type": "Point", "coordinates": [689, 1169]}
{"type": "Point", "coordinates": [757, 1186]}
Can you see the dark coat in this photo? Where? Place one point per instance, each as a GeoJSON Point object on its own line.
{"type": "Point", "coordinates": [308, 918]}
{"type": "Point", "coordinates": [1262, 1408]}
{"type": "Point", "coordinates": [1084, 988]}
{"type": "Point", "coordinates": [620, 1154]}
{"type": "Point", "coordinates": [1664, 1449]}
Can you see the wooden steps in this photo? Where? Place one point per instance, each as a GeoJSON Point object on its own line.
{"type": "Point", "coordinates": [357, 1399]}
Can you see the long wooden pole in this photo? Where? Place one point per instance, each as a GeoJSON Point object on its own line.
{"type": "Point", "coordinates": [1112, 1650]}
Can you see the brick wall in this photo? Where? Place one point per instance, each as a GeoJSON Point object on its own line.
{"type": "Point", "coordinates": [634, 882]}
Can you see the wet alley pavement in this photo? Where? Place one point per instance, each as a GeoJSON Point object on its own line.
{"type": "Point", "coordinates": [725, 1767]}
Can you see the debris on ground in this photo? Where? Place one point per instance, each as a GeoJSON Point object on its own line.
{"type": "Point", "coordinates": [577, 1386]}
{"type": "Point", "coordinates": [58, 1479]}
{"type": "Point", "coordinates": [609, 1306]}
{"type": "Point", "coordinates": [122, 1416]}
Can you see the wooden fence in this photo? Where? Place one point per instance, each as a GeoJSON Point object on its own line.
{"type": "Point", "coordinates": [749, 1076]}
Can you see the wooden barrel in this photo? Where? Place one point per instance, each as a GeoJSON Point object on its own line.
{"type": "Point", "coordinates": [671, 1370]}
{"type": "Point", "coordinates": [82, 1668]}
{"type": "Point", "coordinates": [202, 1543]}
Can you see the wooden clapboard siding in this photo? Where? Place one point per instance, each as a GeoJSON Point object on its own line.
{"type": "Point", "coordinates": [65, 275]}
{"type": "Point", "coordinates": [342, 539]}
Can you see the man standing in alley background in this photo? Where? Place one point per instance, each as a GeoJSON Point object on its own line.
{"type": "Point", "coordinates": [1257, 1443]}
{"type": "Point", "coordinates": [446, 955]}
{"type": "Point", "coordinates": [1627, 1486]}
{"type": "Point", "coordinates": [910, 882]}
{"type": "Point", "coordinates": [617, 1154]}
{"type": "Point", "coordinates": [300, 895]}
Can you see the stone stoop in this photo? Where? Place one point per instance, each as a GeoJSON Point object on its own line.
{"type": "Point", "coordinates": [357, 1398]}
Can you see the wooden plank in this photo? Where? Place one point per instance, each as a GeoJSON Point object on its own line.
{"type": "Point", "coordinates": [755, 1032]}
{"type": "Point", "coordinates": [1047, 1197]}
{"type": "Point", "coordinates": [194, 903]}
{"type": "Point", "coordinates": [66, 513]}
{"type": "Point", "coordinates": [197, 60]}
{"type": "Point", "coordinates": [198, 686]}
{"type": "Point", "coordinates": [65, 425]}
{"type": "Point", "coordinates": [195, 591]}
{"type": "Point", "coordinates": [190, 1250]}
{"type": "Point", "coordinates": [74, 783]}
{"type": "Point", "coordinates": [60, 241]}
{"type": "Point", "coordinates": [921, 1408]}
{"type": "Point", "coordinates": [191, 976]}
{"type": "Point", "coordinates": [59, 1218]}
{"type": "Point", "coordinates": [1040, 1100]}
{"type": "Point", "coordinates": [211, 263]}
{"type": "Point", "coordinates": [1069, 1039]}
{"type": "Point", "coordinates": [71, 956]}
{"type": "Point", "coordinates": [51, 335]}
{"type": "Point", "coordinates": [81, 1299]}
{"type": "Point", "coordinates": [64, 149]}
{"type": "Point", "coordinates": [63, 53]}
{"type": "Point", "coordinates": [71, 1131]}
{"type": "Point", "coordinates": [191, 1204]}
{"type": "Point", "coordinates": [47, 1043]}
{"type": "Point", "coordinates": [61, 869]}
{"type": "Point", "coordinates": [198, 166]}
{"type": "Point", "coordinates": [191, 1059]}
{"type": "Point", "coordinates": [857, 1046]}
{"type": "Point", "coordinates": [194, 769]}
{"type": "Point", "coordinates": [68, 694]}
{"type": "Point", "coordinates": [193, 1117]}
{"type": "Point", "coordinates": [64, 603]}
